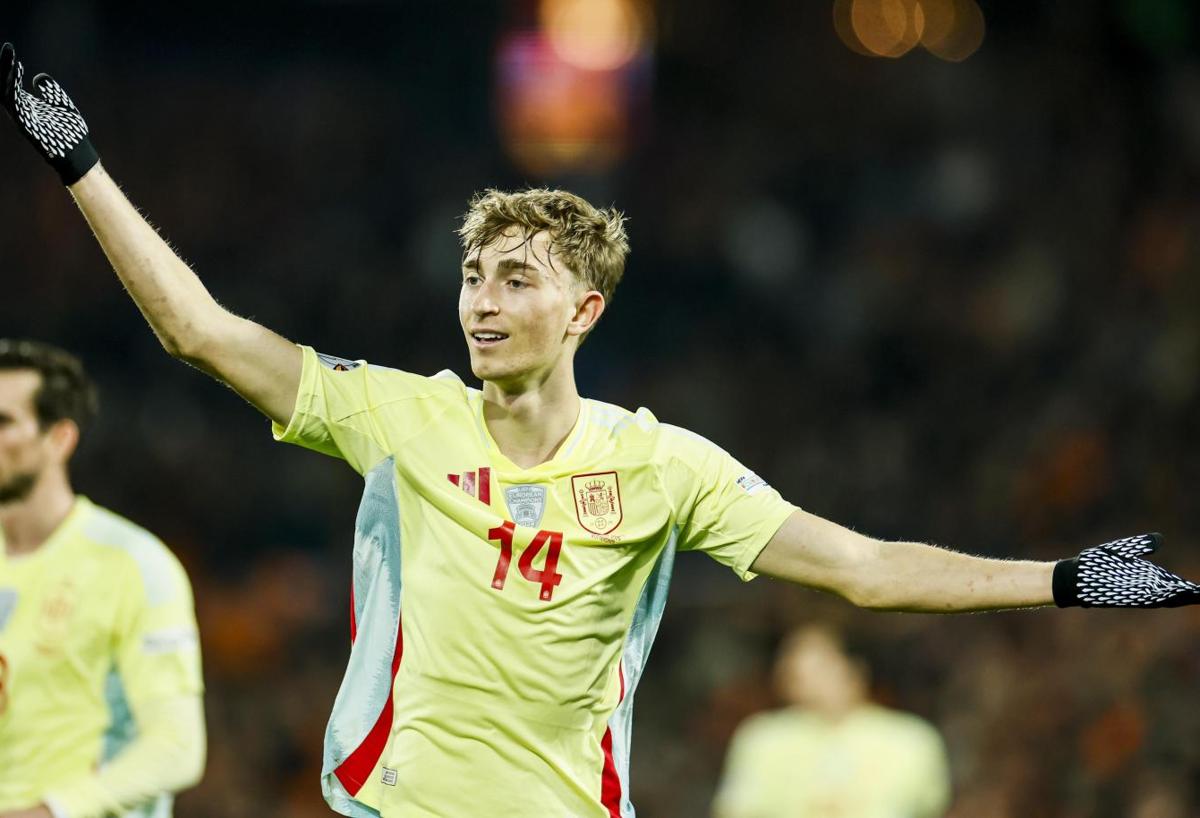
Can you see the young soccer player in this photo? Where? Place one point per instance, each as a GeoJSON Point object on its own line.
{"type": "Point", "coordinates": [514, 544]}
{"type": "Point", "coordinates": [100, 690]}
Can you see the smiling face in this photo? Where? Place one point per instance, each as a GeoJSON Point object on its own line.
{"type": "Point", "coordinates": [26, 449]}
{"type": "Point", "coordinates": [522, 310]}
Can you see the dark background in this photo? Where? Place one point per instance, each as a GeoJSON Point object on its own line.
{"type": "Point", "coordinates": [954, 302]}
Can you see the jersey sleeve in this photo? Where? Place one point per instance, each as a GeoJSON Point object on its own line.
{"type": "Point", "coordinates": [355, 411]}
{"type": "Point", "coordinates": [155, 697]}
{"type": "Point", "coordinates": [158, 646]}
{"type": "Point", "coordinates": [929, 779]}
{"type": "Point", "coordinates": [723, 508]}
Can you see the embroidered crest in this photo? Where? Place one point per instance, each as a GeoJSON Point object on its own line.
{"type": "Point", "coordinates": [526, 504]}
{"type": "Point", "coordinates": [597, 501]}
{"type": "Point", "coordinates": [8, 604]}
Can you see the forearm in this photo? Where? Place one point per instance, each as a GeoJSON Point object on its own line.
{"type": "Point", "coordinates": [899, 576]}
{"type": "Point", "coordinates": [909, 576]}
{"type": "Point", "coordinates": [178, 307]}
{"type": "Point", "coordinates": [167, 756]}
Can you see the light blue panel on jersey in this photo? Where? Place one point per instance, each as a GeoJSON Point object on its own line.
{"type": "Point", "coordinates": [646, 618]}
{"type": "Point", "coordinates": [368, 681]}
{"type": "Point", "coordinates": [122, 730]}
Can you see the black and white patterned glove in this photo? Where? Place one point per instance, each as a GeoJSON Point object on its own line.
{"type": "Point", "coordinates": [48, 118]}
{"type": "Point", "coordinates": [1117, 575]}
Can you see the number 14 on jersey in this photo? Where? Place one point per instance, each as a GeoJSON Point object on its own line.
{"type": "Point", "coordinates": [547, 577]}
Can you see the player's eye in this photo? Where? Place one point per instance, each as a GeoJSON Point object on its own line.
{"type": "Point", "coordinates": [471, 280]}
{"type": "Point", "coordinates": [517, 284]}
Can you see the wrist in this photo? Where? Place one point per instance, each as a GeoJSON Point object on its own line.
{"type": "Point", "coordinates": [1065, 583]}
{"type": "Point", "coordinates": [77, 162]}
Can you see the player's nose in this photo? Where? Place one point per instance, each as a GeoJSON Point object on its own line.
{"type": "Point", "coordinates": [484, 301]}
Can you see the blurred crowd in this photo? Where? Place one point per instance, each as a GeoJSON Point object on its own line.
{"type": "Point", "coordinates": [957, 303]}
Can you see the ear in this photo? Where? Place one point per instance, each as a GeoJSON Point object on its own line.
{"type": "Point", "coordinates": [63, 436]}
{"type": "Point", "coordinates": [588, 309]}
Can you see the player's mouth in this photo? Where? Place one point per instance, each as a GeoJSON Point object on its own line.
{"type": "Point", "coordinates": [483, 340]}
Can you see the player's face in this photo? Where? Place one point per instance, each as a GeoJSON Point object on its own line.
{"type": "Point", "coordinates": [25, 449]}
{"type": "Point", "coordinates": [814, 672]}
{"type": "Point", "coordinates": [519, 308]}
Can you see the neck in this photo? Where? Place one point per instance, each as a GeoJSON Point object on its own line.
{"type": "Point", "coordinates": [27, 523]}
{"type": "Point", "coordinates": [529, 424]}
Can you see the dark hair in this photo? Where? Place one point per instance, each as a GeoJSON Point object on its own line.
{"type": "Point", "coordinates": [66, 392]}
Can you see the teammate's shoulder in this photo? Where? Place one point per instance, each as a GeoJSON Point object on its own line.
{"type": "Point", "coordinates": [123, 540]}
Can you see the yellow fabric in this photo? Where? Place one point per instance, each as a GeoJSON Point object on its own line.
{"type": "Point", "coordinates": [875, 763]}
{"type": "Point", "coordinates": [101, 606]}
{"type": "Point", "coordinates": [503, 695]}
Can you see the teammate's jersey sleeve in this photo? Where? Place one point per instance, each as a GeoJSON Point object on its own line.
{"type": "Point", "coordinates": [359, 412]}
{"type": "Point", "coordinates": [159, 652]}
{"type": "Point", "coordinates": [155, 744]}
{"type": "Point", "coordinates": [723, 508]}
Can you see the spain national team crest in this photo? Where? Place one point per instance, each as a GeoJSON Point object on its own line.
{"type": "Point", "coordinates": [597, 501]}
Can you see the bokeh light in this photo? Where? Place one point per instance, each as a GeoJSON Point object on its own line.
{"type": "Point", "coordinates": [951, 30]}
{"type": "Point", "coordinates": [556, 117]}
{"type": "Point", "coordinates": [886, 28]}
{"type": "Point", "coordinates": [597, 35]}
{"type": "Point", "coordinates": [954, 29]}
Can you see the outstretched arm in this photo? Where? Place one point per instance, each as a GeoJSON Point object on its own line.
{"type": "Point", "coordinates": [909, 576]}
{"type": "Point", "coordinates": [259, 364]}
{"type": "Point", "coordinates": [262, 366]}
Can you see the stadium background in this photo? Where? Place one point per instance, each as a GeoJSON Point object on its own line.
{"type": "Point", "coordinates": [950, 301]}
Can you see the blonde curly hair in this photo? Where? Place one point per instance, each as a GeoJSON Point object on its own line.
{"type": "Point", "coordinates": [590, 240]}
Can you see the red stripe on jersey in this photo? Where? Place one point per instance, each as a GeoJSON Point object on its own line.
{"type": "Point", "coordinates": [610, 781]}
{"type": "Point", "coordinates": [485, 485]}
{"type": "Point", "coordinates": [353, 772]}
{"type": "Point", "coordinates": [353, 622]}
{"type": "Point", "coordinates": [453, 478]}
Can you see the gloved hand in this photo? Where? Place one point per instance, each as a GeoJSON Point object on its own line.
{"type": "Point", "coordinates": [48, 118]}
{"type": "Point", "coordinates": [1116, 575]}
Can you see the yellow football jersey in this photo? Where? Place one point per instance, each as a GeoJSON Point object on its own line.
{"type": "Point", "coordinates": [503, 616]}
{"type": "Point", "coordinates": [93, 624]}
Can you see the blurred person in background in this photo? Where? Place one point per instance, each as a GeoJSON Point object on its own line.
{"type": "Point", "coordinates": [831, 752]}
{"type": "Point", "coordinates": [514, 694]}
{"type": "Point", "coordinates": [101, 710]}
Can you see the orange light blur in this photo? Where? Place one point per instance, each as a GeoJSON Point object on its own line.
{"type": "Point", "coordinates": [596, 35]}
{"type": "Point", "coordinates": [962, 37]}
{"type": "Point", "coordinates": [886, 28]}
{"type": "Point", "coordinates": [556, 117]}
{"type": "Point", "coordinates": [949, 29]}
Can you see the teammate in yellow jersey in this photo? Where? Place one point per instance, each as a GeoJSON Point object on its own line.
{"type": "Point", "coordinates": [832, 753]}
{"type": "Point", "coordinates": [100, 691]}
{"type": "Point", "coordinates": [514, 544]}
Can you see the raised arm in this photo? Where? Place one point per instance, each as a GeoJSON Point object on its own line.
{"type": "Point", "coordinates": [910, 576]}
{"type": "Point", "coordinates": [260, 365]}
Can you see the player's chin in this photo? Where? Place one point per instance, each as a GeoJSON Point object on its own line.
{"type": "Point", "coordinates": [487, 368]}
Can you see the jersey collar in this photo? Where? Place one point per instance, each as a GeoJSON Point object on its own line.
{"type": "Point", "coordinates": [562, 455]}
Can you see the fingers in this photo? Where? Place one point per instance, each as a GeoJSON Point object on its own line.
{"type": "Point", "coordinates": [1137, 546]}
{"type": "Point", "coordinates": [48, 89]}
{"type": "Point", "coordinates": [8, 67]}
{"type": "Point", "coordinates": [8, 56]}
